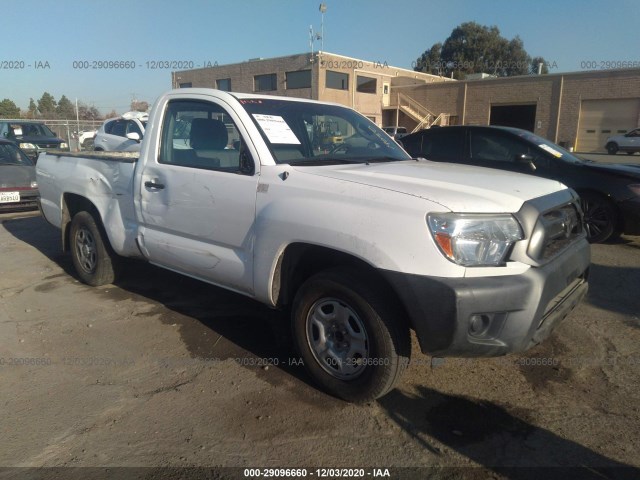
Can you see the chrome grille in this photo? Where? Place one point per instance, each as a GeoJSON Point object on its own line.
{"type": "Point", "coordinates": [555, 230]}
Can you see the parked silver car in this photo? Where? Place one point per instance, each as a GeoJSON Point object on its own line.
{"type": "Point", "coordinates": [121, 134]}
{"type": "Point", "coordinates": [629, 143]}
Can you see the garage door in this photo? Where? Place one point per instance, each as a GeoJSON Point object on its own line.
{"type": "Point", "coordinates": [600, 119]}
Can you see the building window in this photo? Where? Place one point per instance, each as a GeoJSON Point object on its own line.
{"type": "Point", "coordinates": [224, 84]}
{"type": "Point", "coordinates": [265, 83]}
{"type": "Point", "coordinates": [186, 85]}
{"type": "Point", "coordinates": [366, 84]}
{"type": "Point", "coordinates": [337, 80]}
{"type": "Point", "coordinates": [299, 79]}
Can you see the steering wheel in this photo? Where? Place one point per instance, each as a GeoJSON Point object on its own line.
{"type": "Point", "coordinates": [341, 146]}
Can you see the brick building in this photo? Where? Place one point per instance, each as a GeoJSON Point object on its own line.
{"type": "Point", "coordinates": [578, 110]}
{"type": "Point", "coordinates": [363, 85]}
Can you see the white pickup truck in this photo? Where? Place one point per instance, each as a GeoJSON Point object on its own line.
{"type": "Point", "coordinates": [360, 242]}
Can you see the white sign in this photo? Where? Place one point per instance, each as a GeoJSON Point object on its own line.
{"type": "Point", "coordinates": [276, 129]}
{"type": "Point", "coordinates": [551, 150]}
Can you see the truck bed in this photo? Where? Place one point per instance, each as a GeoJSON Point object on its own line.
{"type": "Point", "coordinates": [126, 157]}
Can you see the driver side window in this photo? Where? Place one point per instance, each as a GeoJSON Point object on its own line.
{"type": "Point", "coordinates": [198, 134]}
{"type": "Point", "coordinates": [492, 146]}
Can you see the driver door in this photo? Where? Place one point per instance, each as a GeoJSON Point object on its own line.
{"type": "Point", "coordinates": [197, 198]}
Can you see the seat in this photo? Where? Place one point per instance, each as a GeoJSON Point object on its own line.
{"type": "Point", "coordinates": [208, 137]}
{"type": "Point", "coordinates": [208, 134]}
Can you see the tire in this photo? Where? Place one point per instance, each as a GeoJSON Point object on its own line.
{"type": "Point", "coordinates": [340, 309]}
{"type": "Point", "coordinates": [630, 152]}
{"type": "Point", "coordinates": [93, 258]}
{"type": "Point", "coordinates": [612, 148]}
{"type": "Point", "coordinates": [600, 217]}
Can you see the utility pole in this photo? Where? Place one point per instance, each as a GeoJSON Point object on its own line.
{"type": "Point", "coordinates": [78, 127]}
{"type": "Point", "coordinates": [323, 9]}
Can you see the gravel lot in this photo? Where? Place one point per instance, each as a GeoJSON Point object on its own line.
{"type": "Point", "coordinates": [161, 370]}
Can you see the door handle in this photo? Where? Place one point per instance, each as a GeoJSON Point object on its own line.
{"type": "Point", "coordinates": [154, 185]}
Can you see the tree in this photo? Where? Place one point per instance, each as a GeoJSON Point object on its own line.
{"type": "Point", "coordinates": [33, 109]}
{"type": "Point", "coordinates": [474, 48]}
{"type": "Point", "coordinates": [86, 112]}
{"type": "Point", "coordinates": [139, 106]}
{"type": "Point", "coordinates": [47, 105]}
{"type": "Point", "coordinates": [65, 108]}
{"type": "Point", "coordinates": [8, 109]}
{"type": "Point", "coordinates": [111, 114]}
{"type": "Point", "coordinates": [535, 61]}
{"type": "Point", "coordinates": [430, 61]}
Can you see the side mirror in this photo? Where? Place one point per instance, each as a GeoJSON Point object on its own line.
{"type": "Point", "coordinates": [134, 136]}
{"type": "Point", "coordinates": [525, 158]}
{"type": "Point", "coordinates": [246, 162]}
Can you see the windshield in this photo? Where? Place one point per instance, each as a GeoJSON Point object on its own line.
{"type": "Point", "coordinates": [305, 133]}
{"type": "Point", "coordinates": [30, 130]}
{"type": "Point", "coordinates": [549, 147]}
{"type": "Point", "coordinates": [11, 155]}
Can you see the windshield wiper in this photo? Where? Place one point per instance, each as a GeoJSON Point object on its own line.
{"type": "Point", "coordinates": [325, 161]}
{"type": "Point", "coordinates": [383, 159]}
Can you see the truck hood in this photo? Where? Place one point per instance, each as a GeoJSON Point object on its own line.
{"type": "Point", "coordinates": [459, 188]}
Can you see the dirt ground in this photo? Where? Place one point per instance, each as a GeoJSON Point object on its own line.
{"type": "Point", "coordinates": [164, 371]}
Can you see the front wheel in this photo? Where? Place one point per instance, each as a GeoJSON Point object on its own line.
{"type": "Point", "coordinates": [94, 260]}
{"type": "Point", "coordinates": [600, 217]}
{"type": "Point", "coordinates": [353, 342]}
{"type": "Point", "coordinates": [612, 148]}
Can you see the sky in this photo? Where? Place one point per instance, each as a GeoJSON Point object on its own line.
{"type": "Point", "coordinates": [46, 43]}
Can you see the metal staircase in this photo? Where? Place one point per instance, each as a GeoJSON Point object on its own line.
{"type": "Point", "coordinates": [420, 113]}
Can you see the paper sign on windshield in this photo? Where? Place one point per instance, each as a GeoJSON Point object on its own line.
{"type": "Point", "coordinates": [276, 129]}
{"type": "Point", "coordinates": [551, 150]}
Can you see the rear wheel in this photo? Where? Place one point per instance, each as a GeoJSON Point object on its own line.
{"type": "Point", "coordinates": [94, 260]}
{"type": "Point", "coordinates": [352, 340]}
{"type": "Point", "coordinates": [600, 217]}
{"type": "Point", "coordinates": [612, 148]}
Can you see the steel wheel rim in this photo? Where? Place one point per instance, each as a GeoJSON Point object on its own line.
{"type": "Point", "coordinates": [337, 338]}
{"type": "Point", "coordinates": [86, 250]}
{"type": "Point", "coordinates": [596, 218]}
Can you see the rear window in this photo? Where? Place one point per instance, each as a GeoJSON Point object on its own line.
{"type": "Point", "coordinates": [11, 155]}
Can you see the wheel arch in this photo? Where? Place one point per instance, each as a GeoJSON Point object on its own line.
{"type": "Point", "coordinates": [299, 261]}
{"type": "Point", "coordinates": [73, 203]}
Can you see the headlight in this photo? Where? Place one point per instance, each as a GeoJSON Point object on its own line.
{"type": "Point", "coordinates": [64, 145]}
{"type": "Point", "coordinates": [34, 184]}
{"type": "Point", "coordinates": [474, 239]}
{"type": "Point", "coordinates": [28, 146]}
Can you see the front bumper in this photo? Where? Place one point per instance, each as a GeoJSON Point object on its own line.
{"type": "Point", "coordinates": [630, 211]}
{"type": "Point", "coordinates": [491, 316]}
{"type": "Point", "coordinates": [29, 200]}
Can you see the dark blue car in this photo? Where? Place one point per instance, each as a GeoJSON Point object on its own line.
{"type": "Point", "coordinates": [610, 193]}
{"type": "Point", "coordinates": [32, 137]}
